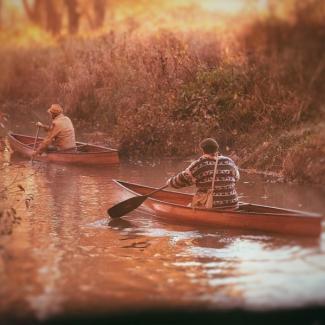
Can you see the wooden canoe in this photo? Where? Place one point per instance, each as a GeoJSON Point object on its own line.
{"type": "Point", "coordinates": [84, 154]}
{"type": "Point", "coordinates": [173, 206]}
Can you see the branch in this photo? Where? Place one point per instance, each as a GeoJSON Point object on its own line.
{"type": "Point", "coordinates": [30, 13]}
{"type": "Point", "coordinates": [16, 180]}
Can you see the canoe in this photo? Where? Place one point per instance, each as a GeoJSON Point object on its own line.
{"type": "Point", "coordinates": [173, 206]}
{"type": "Point", "coordinates": [84, 154]}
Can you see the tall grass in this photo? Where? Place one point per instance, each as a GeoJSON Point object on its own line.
{"type": "Point", "coordinates": [157, 94]}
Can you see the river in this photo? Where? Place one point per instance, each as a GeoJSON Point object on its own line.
{"type": "Point", "coordinates": [66, 256]}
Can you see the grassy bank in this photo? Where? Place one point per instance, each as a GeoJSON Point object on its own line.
{"type": "Point", "coordinates": [260, 91]}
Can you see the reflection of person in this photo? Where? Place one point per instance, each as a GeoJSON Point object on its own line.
{"type": "Point", "coordinates": [201, 173]}
{"type": "Point", "coordinates": [60, 133]}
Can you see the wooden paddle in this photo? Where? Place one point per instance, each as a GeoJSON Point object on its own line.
{"type": "Point", "coordinates": [124, 207]}
{"type": "Point", "coordinates": [34, 146]}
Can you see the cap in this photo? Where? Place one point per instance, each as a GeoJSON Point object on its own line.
{"type": "Point", "coordinates": [55, 109]}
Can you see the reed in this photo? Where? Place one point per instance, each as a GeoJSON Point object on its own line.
{"type": "Point", "coordinates": [157, 94]}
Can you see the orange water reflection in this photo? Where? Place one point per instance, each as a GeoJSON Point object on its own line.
{"type": "Point", "coordinates": [66, 256]}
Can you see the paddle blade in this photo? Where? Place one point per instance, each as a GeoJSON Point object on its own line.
{"type": "Point", "coordinates": [124, 207]}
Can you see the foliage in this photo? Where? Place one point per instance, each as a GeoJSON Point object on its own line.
{"type": "Point", "coordinates": [11, 198]}
{"type": "Point", "coordinates": [157, 94]}
{"type": "Point", "coordinates": [11, 195]}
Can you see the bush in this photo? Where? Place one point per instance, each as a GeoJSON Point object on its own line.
{"type": "Point", "coordinates": [160, 94]}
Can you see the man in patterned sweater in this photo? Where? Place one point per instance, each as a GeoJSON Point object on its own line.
{"type": "Point", "coordinates": [201, 171]}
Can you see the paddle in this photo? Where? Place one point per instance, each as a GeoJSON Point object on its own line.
{"type": "Point", "coordinates": [34, 146]}
{"type": "Point", "coordinates": [124, 207]}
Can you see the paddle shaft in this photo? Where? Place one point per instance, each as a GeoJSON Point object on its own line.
{"type": "Point", "coordinates": [34, 146]}
{"type": "Point", "coordinates": [157, 190]}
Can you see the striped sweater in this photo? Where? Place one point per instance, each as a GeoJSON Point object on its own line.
{"type": "Point", "coordinates": [200, 173]}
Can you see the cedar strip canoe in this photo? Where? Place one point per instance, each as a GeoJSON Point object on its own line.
{"type": "Point", "coordinates": [85, 154]}
{"type": "Point", "coordinates": [173, 206]}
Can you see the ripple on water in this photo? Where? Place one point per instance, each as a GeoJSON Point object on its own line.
{"type": "Point", "coordinates": [77, 259]}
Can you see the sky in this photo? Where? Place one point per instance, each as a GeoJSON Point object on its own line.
{"type": "Point", "coordinates": [229, 6]}
{"type": "Point", "coordinates": [224, 6]}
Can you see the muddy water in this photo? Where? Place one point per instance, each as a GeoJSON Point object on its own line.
{"type": "Point", "coordinates": [66, 256]}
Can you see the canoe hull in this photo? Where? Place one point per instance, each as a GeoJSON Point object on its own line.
{"type": "Point", "coordinates": [95, 155]}
{"type": "Point", "coordinates": [277, 224]}
{"type": "Point", "coordinates": [275, 220]}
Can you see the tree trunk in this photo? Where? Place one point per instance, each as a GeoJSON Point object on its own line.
{"type": "Point", "coordinates": [53, 17]}
{"type": "Point", "coordinates": [1, 12]}
{"type": "Point", "coordinates": [34, 12]}
{"type": "Point", "coordinates": [99, 11]}
{"type": "Point", "coordinates": [73, 15]}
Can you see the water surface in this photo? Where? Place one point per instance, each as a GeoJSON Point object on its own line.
{"type": "Point", "coordinates": [67, 256]}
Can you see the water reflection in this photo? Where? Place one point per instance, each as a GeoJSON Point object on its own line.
{"type": "Point", "coordinates": [119, 223]}
{"type": "Point", "coordinates": [67, 256]}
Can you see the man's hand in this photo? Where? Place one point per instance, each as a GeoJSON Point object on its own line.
{"type": "Point", "coordinates": [40, 124]}
{"type": "Point", "coordinates": [168, 182]}
{"type": "Point", "coordinates": [35, 153]}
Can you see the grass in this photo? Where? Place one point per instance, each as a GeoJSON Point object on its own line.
{"type": "Point", "coordinates": [158, 94]}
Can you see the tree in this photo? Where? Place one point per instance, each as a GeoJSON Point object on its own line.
{"type": "Point", "coordinates": [53, 17]}
{"type": "Point", "coordinates": [1, 7]}
{"type": "Point", "coordinates": [45, 14]}
{"type": "Point", "coordinates": [73, 15]}
{"type": "Point", "coordinates": [99, 12]}
{"type": "Point", "coordinates": [94, 11]}
{"type": "Point", "coordinates": [33, 11]}
{"type": "Point", "coordinates": [49, 14]}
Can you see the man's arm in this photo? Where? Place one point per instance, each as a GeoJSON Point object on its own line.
{"type": "Point", "coordinates": [53, 132]}
{"type": "Point", "coordinates": [44, 126]}
{"type": "Point", "coordinates": [183, 179]}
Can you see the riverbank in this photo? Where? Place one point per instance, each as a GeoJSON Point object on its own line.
{"type": "Point", "coordinates": [297, 155]}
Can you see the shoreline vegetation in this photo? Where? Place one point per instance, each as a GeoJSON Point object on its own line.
{"type": "Point", "coordinates": [259, 90]}
{"type": "Point", "coordinates": [12, 196]}
{"type": "Point", "coordinates": [12, 193]}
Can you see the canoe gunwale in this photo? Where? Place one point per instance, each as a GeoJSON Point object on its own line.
{"type": "Point", "coordinates": [12, 137]}
{"type": "Point", "coordinates": [291, 213]}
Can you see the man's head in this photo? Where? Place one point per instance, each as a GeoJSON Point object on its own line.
{"type": "Point", "coordinates": [55, 110]}
{"type": "Point", "coordinates": [209, 146]}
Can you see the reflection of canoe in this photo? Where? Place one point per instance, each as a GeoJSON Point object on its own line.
{"type": "Point", "coordinates": [85, 154]}
{"type": "Point", "coordinates": [173, 206]}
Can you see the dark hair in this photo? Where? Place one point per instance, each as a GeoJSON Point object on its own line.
{"type": "Point", "coordinates": [209, 145]}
